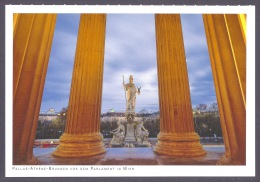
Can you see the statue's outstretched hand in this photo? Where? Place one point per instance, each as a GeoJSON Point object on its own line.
{"type": "Point", "coordinates": [138, 90]}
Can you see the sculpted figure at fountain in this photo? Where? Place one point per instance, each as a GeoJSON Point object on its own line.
{"type": "Point", "coordinates": [136, 135]}
{"type": "Point", "coordinates": [141, 134]}
{"type": "Point", "coordinates": [118, 134]}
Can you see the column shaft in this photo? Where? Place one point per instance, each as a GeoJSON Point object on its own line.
{"type": "Point", "coordinates": [15, 18]}
{"type": "Point", "coordinates": [82, 136]}
{"type": "Point", "coordinates": [177, 136]}
{"type": "Point", "coordinates": [31, 50]}
{"type": "Point", "coordinates": [228, 60]}
{"type": "Point", "coordinates": [242, 23]}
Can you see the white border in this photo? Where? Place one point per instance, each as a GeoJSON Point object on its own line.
{"type": "Point", "coordinates": [158, 170]}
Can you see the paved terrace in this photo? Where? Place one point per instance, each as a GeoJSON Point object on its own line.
{"type": "Point", "coordinates": [131, 156]}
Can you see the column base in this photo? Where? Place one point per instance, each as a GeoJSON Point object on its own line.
{"type": "Point", "coordinates": [179, 144]}
{"type": "Point", "coordinates": [80, 145]}
{"type": "Point", "coordinates": [229, 161]}
{"type": "Point", "coordinates": [224, 160]}
{"type": "Point", "coordinates": [32, 161]}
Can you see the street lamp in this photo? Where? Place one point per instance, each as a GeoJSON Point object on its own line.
{"type": "Point", "coordinates": [194, 114]}
{"type": "Point", "coordinates": [64, 114]}
{"type": "Point", "coordinates": [43, 132]}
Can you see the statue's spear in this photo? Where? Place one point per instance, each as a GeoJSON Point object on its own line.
{"type": "Point", "coordinates": [124, 89]}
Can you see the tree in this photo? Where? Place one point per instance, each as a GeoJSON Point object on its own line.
{"type": "Point", "coordinates": [213, 107]}
{"type": "Point", "coordinates": [39, 131]}
{"type": "Point", "coordinates": [202, 107]}
{"type": "Point", "coordinates": [106, 127]}
{"type": "Point", "coordinates": [207, 124]}
{"type": "Point", "coordinates": [58, 127]}
{"type": "Point", "coordinates": [152, 124]}
{"type": "Point", "coordinates": [63, 114]}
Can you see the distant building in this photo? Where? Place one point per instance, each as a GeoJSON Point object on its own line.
{"type": "Point", "coordinates": [197, 112]}
{"type": "Point", "coordinates": [112, 115]}
{"type": "Point", "coordinates": [48, 116]}
{"type": "Point", "coordinates": [51, 111]}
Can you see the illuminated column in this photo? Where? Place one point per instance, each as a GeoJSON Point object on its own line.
{"type": "Point", "coordinates": [242, 23]}
{"type": "Point", "coordinates": [82, 135]}
{"type": "Point", "coordinates": [227, 49]}
{"type": "Point", "coordinates": [15, 20]}
{"type": "Point", "coordinates": [31, 50]}
{"type": "Point", "coordinates": [177, 136]}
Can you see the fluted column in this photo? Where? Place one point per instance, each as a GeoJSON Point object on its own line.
{"type": "Point", "coordinates": [31, 49]}
{"type": "Point", "coordinates": [177, 136]}
{"type": "Point", "coordinates": [82, 135]}
{"type": "Point", "coordinates": [227, 49]}
{"type": "Point", "coordinates": [242, 23]}
{"type": "Point", "coordinates": [15, 20]}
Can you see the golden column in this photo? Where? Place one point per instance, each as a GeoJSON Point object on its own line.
{"type": "Point", "coordinates": [31, 49]}
{"type": "Point", "coordinates": [82, 135]}
{"type": "Point", "coordinates": [227, 49]}
{"type": "Point", "coordinates": [15, 18]}
{"type": "Point", "coordinates": [177, 136]}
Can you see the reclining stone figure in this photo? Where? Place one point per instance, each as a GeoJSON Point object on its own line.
{"type": "Point", "coordinates": [118, 134]}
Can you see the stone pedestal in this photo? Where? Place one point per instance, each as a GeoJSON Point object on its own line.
{"type": "Point", "coordinates": [130, 133]}
{"type": "Point", "coordinates": [177, 136]}
{"type": "Point", "coordinates": [132, 139]}
{"type": "Point", "coordinates": [136, 135]}
{"type": "Point", "coordinates": [32, 41]}
{"type": "Point", "coordinates": [82, 133]}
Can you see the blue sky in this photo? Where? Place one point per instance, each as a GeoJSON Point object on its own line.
{"type": "Point", "coordinates": [130, 48]}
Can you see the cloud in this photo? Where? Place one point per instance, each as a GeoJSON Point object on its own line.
{"type": "Point", "coordinates": [113, 90]}
{"type": "Point", "coordinates": [59, 73]}
{"type": "Point", "coordinates": [57, 105]}
{"type": "Point", "coordinates": [193, 32]}
{"type": "Point", "coordinates": [199, 68]}
{"type": "Point", "coordinates": [130, 42]}
{"type": "Point", "coordinates": [130, 49]}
